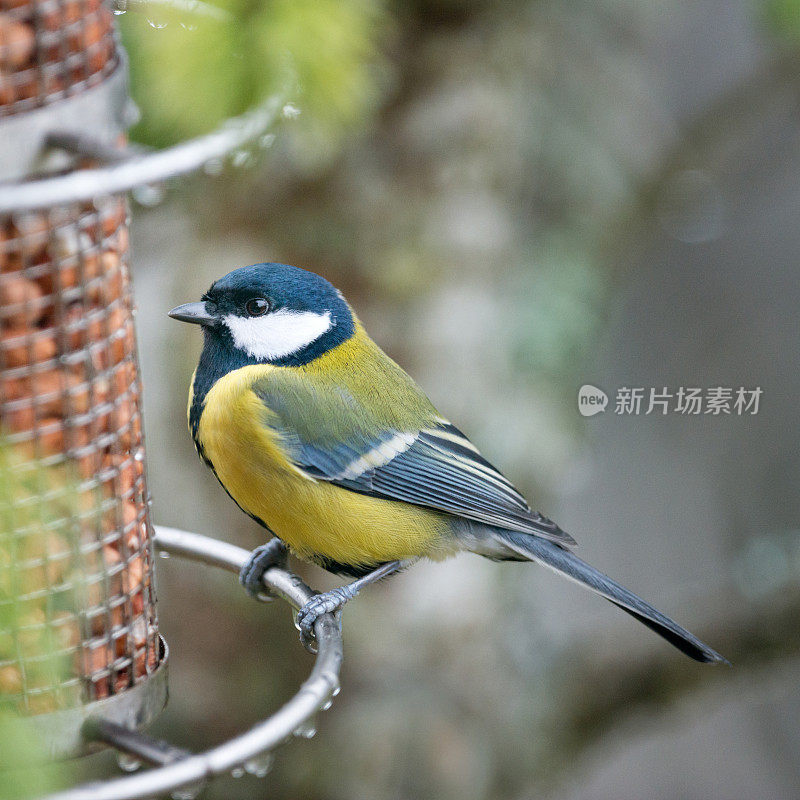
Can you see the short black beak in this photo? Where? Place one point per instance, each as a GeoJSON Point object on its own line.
{"type": "Point", "coordinates": [193, 312]}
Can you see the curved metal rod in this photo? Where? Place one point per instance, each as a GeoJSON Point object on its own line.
{"type": "Point", "coordinates": [85, 184]}
{"type": "Point", "coordinates": [313, 695]}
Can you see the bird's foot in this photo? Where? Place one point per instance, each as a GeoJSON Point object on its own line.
{"type": "Point", "coordinates": [251, 575]}
{"type": "Point", "coordinates": [325, 603]}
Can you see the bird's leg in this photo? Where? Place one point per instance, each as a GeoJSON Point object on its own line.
{"type": "Point", "coordinates": [251, 575]}
{"type": "Point", "coordinates": [333, 600]}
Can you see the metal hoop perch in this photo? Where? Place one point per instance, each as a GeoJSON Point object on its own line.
{"type": "Point", "coordinates": [179, 768]}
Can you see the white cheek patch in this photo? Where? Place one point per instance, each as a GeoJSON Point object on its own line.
{"type": "Point", "coordinates": [281, 333]}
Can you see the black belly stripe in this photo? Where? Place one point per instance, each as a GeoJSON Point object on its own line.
{"type": "Point", "coordinates": [354, 571]}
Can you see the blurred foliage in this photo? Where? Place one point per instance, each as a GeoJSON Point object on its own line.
{"type": "Point", "coordinates": [783, 18]}
{"type": "Point", "coordinates": [559, 334]}
{"type": "Point", "coordinates": [20, 624]}
{"type": "Point", "coordinates": [190, 72]}
{"type": "Point", "coordinates": [20, 745]}
{"type": "Point", "coordinates": [28, 532]}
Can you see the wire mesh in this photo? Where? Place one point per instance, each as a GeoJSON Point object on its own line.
{"type": "Point", "coordinates": [50, 49]}
{"type": "Point", "coordinates": [77, 604]}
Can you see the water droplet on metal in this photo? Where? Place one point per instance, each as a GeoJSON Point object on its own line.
{"type": "Point", "coordinates": [260, 765]}
{"type": "Point", "coordinates": [188, 792]}
{"type": "Point", "coordinates": [163, 554]}
{"type": "Point", "coordinates": [336, 689]}
{"type": "Point", "coordinates": [237, 772]}
{"type": "Point", "coordinates": [131, 114]}
{"type": "Point", "coordinates": [290, 111]}
{"type": "Point", "coordinates": [213, 166]}
{"type": "Point", "coordinates": [328, 703]}
{"type": "Point", "coordinates": [127, 762]}
{"type": "Point", "coordinates": [148, 195]}
{"type": "Point", "coordinates": [242, 158]}
{"type": "Point", "coordinates": [307, 729]}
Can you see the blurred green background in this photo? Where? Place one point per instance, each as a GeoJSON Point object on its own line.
{"type": "Point", "coordinates": [517, 198]}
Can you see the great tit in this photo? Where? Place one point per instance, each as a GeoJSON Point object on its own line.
{"type": "Point", "coordinates": [328, 444]}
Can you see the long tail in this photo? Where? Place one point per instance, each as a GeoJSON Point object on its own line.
{"type": "Point", "coordinates": [533, 548]}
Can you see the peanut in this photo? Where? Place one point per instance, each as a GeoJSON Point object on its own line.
{"type": "Point", "coordinates": [16, 351]}
{"type": "Point", "coordinates": [17, 43]}
{"type": "Point", "coordinates": [21, 299]}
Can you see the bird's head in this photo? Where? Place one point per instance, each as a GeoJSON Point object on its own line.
{"type": "Point", "coordinates": [272, 313]}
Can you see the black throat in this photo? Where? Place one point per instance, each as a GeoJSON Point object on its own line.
{"type": "Point", "coordinates": [218, 358]}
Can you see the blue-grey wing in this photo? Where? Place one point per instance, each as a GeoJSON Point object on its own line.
{"type": "Point", "coordinates": [436, 467]}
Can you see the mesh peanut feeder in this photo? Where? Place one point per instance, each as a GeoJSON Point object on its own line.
{"type": "Point", "coordinates": [69, 404]}
{"type": "Point", "coordinates": [77, 607]}
{"type": "Point", "coordinates": [81, 660]}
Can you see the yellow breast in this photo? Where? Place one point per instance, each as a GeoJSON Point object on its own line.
{"type": "Point", "coordinates": [315, 518]}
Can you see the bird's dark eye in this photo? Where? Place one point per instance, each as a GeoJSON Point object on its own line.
{"type": "Point", "coordinates": [257, 307]}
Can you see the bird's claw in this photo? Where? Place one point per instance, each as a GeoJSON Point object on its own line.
{"type": "Point", "coordinates": [325, 603]}
{"type": "Point", "coordinates": [251, 575]}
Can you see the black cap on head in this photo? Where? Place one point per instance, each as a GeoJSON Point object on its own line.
{"type": "Point", "coordinates": [272, 313]}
